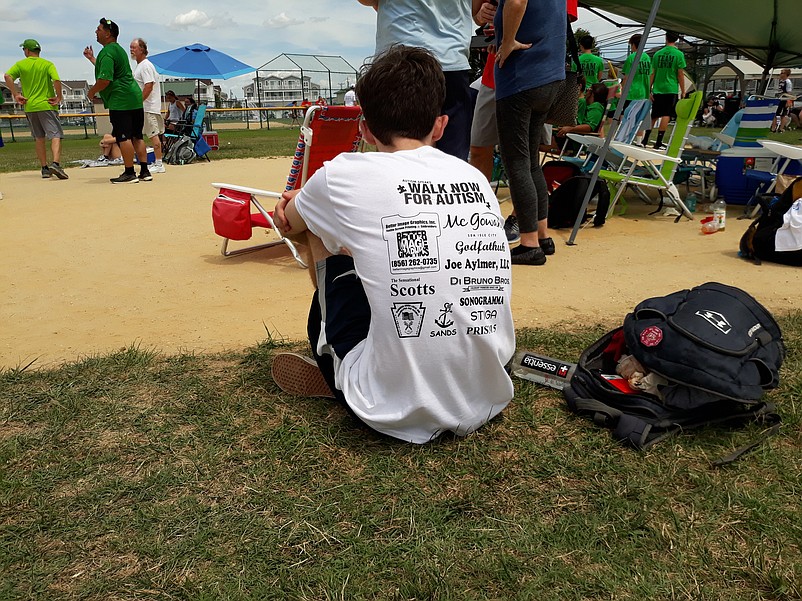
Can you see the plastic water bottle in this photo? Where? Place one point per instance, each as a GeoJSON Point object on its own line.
{"type": "Point", "coordinates": [690, 202]}
{"type": "Point", "coordinates": [720, 213]}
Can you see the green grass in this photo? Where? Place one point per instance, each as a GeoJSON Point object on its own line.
{"type": "Point", "coordinates": [143, 476]}
{"type": "Point", "coordinates": [234, 144]}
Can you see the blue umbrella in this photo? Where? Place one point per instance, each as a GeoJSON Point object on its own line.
{"type": "Point", "coordinates": [199, 62]}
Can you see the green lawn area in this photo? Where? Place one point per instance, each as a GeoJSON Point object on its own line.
{"type": "Point", "coordinates": [234, 144]}
{"type": "Point", "coordinates": [142, 476]}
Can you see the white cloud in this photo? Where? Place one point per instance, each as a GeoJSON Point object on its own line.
{"type": "Point", "coordinates": [194, 18]}
{"type": "Point", "coordinates": [281, 20]}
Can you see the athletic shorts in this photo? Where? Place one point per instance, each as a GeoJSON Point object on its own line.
{"type": "Point", "coordinates": [340, 303]}
{"type": "Point", "coordinates": [458, 105]}
{"type": "Point", "coordinates": [664, 105]}
{"type": "Point", "coordinates": [484, 131]}
{"type": "Point", "coordinates": [154, 125]}
{"type": "Point", "coordinates": [45, 124]}
{"type": "Point", "coordinates": [127, 125]}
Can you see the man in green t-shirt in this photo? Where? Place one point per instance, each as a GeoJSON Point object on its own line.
{"type": "Point", "coordinates": [668, 78]}
{"type": "Point", "coordinates": [116, 85]}
{"type": "Point", "coordinates": [40, 94]}
{"type": "Point", "coordinates": [592, 65]}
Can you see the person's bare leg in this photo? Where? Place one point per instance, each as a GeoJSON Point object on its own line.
{"type": "Point", "coordinates": [141, 152]}
{"type": "Point", "coordinates": [127, 150]}
{"type": "Point", "coordinates": [41, 152]}
{"type": "Point", "coordinates": [55, 147]}
{"type": "Point", "coordinates": [482, 158]}
{"type": "Point", "coordinates": [156, 142]}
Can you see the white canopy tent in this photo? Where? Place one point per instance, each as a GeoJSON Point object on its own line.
{"type": "Point", "coordinates": [748, 74]}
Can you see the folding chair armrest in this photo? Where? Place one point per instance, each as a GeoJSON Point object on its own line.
{"type": "Point", "coordinates": [642, 154]}
{"type": "Point", "coordinates": [587, 139]}
{"type": "Point", "coordinates": [247, 190]}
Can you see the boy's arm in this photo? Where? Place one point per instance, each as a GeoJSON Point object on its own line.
{"type": "Point", "coordinates": [681, 82]}
{"type": "Point", "coordinates": [286, 216]}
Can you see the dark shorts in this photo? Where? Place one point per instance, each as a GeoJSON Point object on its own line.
{"type": "Point", "coordinates": [664, 105]}
{"type": "Point", "coordinates": [127, 125]}
{"type": "Point", "coordinates": [340, 303]}
{"type": "Point", "coordinates": [458, 105]}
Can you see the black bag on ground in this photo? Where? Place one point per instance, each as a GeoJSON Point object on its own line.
{"type": "Point", "coordinates": [757, 243]}
{"type": "Point", "coordinates": [713, 350]}
{"type": "Point", "coordinates": [566, 200]}
{"type": "Point", "coordinates": [182, 152]}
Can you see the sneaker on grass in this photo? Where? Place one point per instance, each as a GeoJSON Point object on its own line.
{"type": "Point", "coordinates": [300, 376]}
{"type": "Point", "coordinates": [125, 178]}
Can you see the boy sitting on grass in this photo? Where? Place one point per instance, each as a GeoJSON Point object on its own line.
{"type": "Point", "coordinates": [410, 322]}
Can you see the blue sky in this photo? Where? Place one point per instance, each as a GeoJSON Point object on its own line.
{"type": "Point", "coordinates": [251, 31]}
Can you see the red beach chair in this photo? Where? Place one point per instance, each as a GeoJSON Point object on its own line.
{"type": "Point", "coordinates": [326, 132]}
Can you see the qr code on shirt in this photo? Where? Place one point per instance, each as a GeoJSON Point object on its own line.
{"type": "Point", "coordinates": [412, 244]}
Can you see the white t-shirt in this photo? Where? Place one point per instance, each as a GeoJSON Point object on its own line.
{"type": "Point", "coordinates": [789, 236]}
{"type": "Point", "coordinates": [144, 73]}
{"type": "Point", "coordinates": [444, 27]}
{"type": "Point", "coordinates": [428, 243]}
{"type": "Point", "coordinates": [350, 98]}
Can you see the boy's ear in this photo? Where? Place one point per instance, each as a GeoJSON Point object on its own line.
{"type": "Point", "coordinates": [439, 127]}
{"type": "Point", "coordinates": [367, 135]}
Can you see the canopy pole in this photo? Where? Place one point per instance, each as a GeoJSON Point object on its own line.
{"type": "Point", "coordinates": [616, 121]}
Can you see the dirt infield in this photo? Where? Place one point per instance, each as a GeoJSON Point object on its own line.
{"type": "Point", "coordinates": [87, 267]}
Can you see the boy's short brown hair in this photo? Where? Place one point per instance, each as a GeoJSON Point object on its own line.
{"type": "Point", "coordinates": [401, 93]}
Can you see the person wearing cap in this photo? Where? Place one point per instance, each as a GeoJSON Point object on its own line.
{"type": "Point", "coordinates": [40, 96]}
{"type": "Point", "coordinates": [115, 84]}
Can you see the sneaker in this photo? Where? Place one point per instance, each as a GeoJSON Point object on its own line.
{"type": "Point", "coordinates": [46, 172]}
{"type": "Point", "coordinates": [117, 161]}
{"type": "Point", "coordinates": [156, 168]}
{"type": "Point", "coordinates": [60, 173]}
{"type": "Point", "coordinates": [547, 244]}
{"type": "Point", "coordinates": [300, 376]}
{"type": "Point", "coordinates": [535, 256]}
{"type": "Point", "coordinates": [512, 230]}
{"type": "Point", "coordinates": [144, 175]}
{"type": "Point", "coordinates": [125, 178]}
{"type": "Point", "coordinates": [659, 146]}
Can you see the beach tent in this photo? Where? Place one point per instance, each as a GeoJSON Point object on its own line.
{"type": "Point", "coordinates": [768, 32]}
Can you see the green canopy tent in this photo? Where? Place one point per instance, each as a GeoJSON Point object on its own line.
{"type": "Point", "coordinates": [767, 31]}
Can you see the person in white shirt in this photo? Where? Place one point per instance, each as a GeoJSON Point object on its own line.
{"type": "Point", "coordinates": [148, 80]}
{"type": "Point", "coordinates": [410, 323]}
{"type": "Point", "coordinates": [350, 97]}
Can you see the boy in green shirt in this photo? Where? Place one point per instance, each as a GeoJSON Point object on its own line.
{"type": "Point", "coordinates": [115, 84]}
{"type": "Point", "coordinates": [40, 96]}
{"type": "Point", "coordinates": [640, 88]}
{"type": "Point", "coordinates": [592, 65]}
{"type": "Point", "coordinates": [668, 77]}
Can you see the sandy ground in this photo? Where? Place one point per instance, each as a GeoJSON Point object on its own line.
{"type": "Point", "coordinates": [87, 267]}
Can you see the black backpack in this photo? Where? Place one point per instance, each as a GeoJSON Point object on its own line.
{"type": "Point", "coordinates": [566, 200]}
{"type": "Point", "coordinates": [715, 350]}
